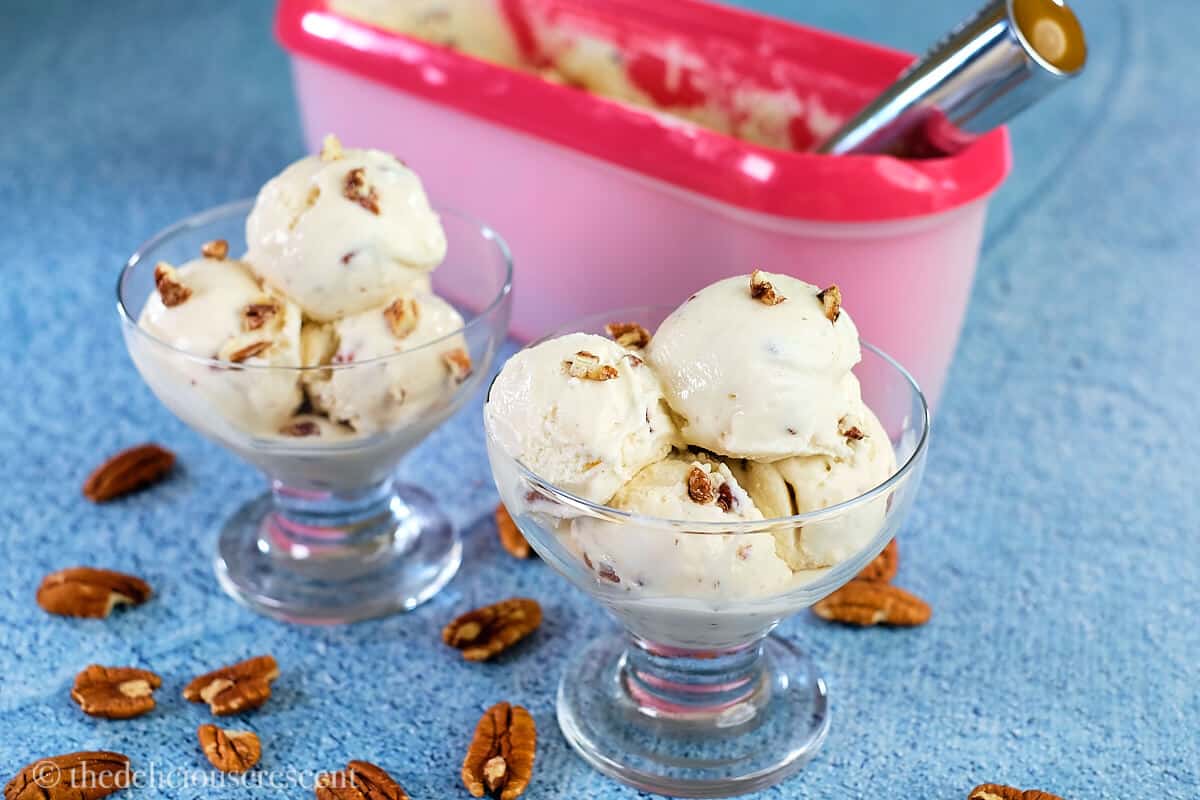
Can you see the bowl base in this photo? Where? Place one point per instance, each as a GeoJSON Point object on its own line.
{"type": "Point", "coordinates": [721, 756]}
{"type": "Point", "coordinates": [393, 562]}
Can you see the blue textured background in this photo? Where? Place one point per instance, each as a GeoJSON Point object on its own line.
{"type": "Point", "coordinates": [1056, 535]}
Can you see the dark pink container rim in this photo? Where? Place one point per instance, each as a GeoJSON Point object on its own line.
{"type": "Point", "coordinates": [801, 186]}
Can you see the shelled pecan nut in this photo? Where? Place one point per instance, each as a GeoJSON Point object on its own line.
{"type": "Point", "coordinates": [996, 791]}
{"type": "Point", "coordinates": [866, 603]}
{"type": "Point", "coordinates": [128, 471]}
{"type": "Point", "coordinates": [511, 538]}
{"type": "Point", "coordinates": [884, 566]}
{"type": "Point", "coordinates": [238, 687]}
{"type": "Point", "coordinates": [87, 775]}
{"type": "Point", "coordinates": [488, 631]}
{"type": "Point", "coordinates": [499, 761]}
{"type": "Point", "coordinates": [360, 780]}
{"type": "Point", "coordinates": [90, 592]}
{"type": "Point", "coordinates": [229, 751]}
{"type": "Point", "coordinates": [115, 692]}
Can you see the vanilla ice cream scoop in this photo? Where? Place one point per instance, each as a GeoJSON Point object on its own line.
{"type": "Point", "coordinates": [759, 367]}
{"type": "Point", "coordinates": [344, 231]}
{"type": "Point", "coordinates": [808, 483]}
{"type": "Point", "coordinates": [213, 308]}
{"type": "Point", "coordinates": [582, 412]}
{"type": "Point", "coordinates": [389, 390]}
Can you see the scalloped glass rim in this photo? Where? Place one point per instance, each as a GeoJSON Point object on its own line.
{"type": "Point", "coordinates": [752, 526]}
{"type": "Point", "coordinates": [243, 207]}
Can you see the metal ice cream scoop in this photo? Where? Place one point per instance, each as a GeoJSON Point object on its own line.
{"type": "Point", "coordinates": [988, 70]}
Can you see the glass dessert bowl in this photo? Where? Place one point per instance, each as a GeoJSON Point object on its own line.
{"type": "Point", "coordinates": [695, 698]}
{"type": "Point", "coordinates": [337, 538]}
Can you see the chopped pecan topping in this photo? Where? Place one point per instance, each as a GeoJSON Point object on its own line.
{"type": "Point", "coordinates": [699, 486]}
{"type": "Point", "coordinates": [356, 190]}
{"type": "Point", "coordinates": [633, 360]}
{"type": "Point", "coordinates": [402, 316]}
{"type": "Point", "coordinates": [884, 566]}
{"type": "Point", "coordinates": [762, 290]}
{"type": "Point", "coordinates": [866, 603]}
{"type": "Point", "coordinates": [128, 471]}
{"type": "Point", "coordinates": [88, 775]}
{"type": "Point", "coordinates": [586, 366]}
{"type": "Point", "coordinates": [831, 299]}
{"type": "Point", "coordinates": [255, 315]}
{"type": "Point", "coordinates": [360, 780]}
{"type": "Point", "coordinates": [725, 499]}
{"type": "Point", "coordinates": [115, 692]}
{"type": "Point", "coordinates": [628, 334]}
{"type": "Point", "coordinates": [229, 751]}
{"type": "Point", "coordinates": [996, 791]}
{"type": "Point", "coordinates": [331, 148]}
{"type": "Point", "coordinates": [489, 631]}
{"type": "Point", "coordinates": [239, 687]}
{"type": "Point", "coordinates": [170, 288]}
{"type": "Point", "coordinates": [301, 427]}
{"type": "Point", "coordinates": [249, 351]}
{"type": "Point", "coordinates": [89, 592]}
{"type": "Point", "coordinates": [851, 431]}
{"type": "Point", "coordinates": [499, 761]}
{"type": "Point", "coordinates": [510, 535]}
{"type": "Point", "coordinates": [607, 573]}
{"type": "Point", "coordinates": [217, 248]}
{"type": "Point", "coordinates": [458, 361]}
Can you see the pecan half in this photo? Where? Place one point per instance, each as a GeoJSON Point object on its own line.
{"type": "Point", "coordinates": [699, 486]}
{"type": "Point", "coordinates": [170, 289]}
{"type": "Point", "coordinates": [255, 315]}
{"type": "Point", "coordinates": [763, 291]}
{"type": "Point", "coordinates": [402, 316]}
{"type": "Point", "coordinates": [87, 775]}
{"type": "Point", "coordinates": [249, 351]}
{"type": "Point", "coordinates": [128, 471]}
{"type": "Point", "coordinates": [586, 366]}
{"type": "Point", "coordinates": [115, 692]}
{"type": "Point", "coordinates": [884, 566]}
{"type": "Point", "coordinates": [217, 248]}
{"type": "Point", "coordinates": [331, 148]}
{"type": "Point", "coordinates": [360, 780]}
{"type": "Point", "coordinates": [489, 631]}
{"type": "Point", "coordinates": [238, 687]}
{"type": "Point", "coordinates": [865, 603]}
{"type": "Point", "coordinates": [831, 299]}
{"type": "Point", "coordinates": [356, 190]}
{"type": "Point", "coordinates": [996, 791]}
{"type": "Point", "coordinates": [499, 760]}
{"type": "Point", "coordinates": [511, 538]}
{"type": "Point", "coordinates": [458, 361]}
{"type": "Point", "coordinates": [90, 592]}
{"type": "Point", "coordinates": [229, 751]}
{"type": "Point", "coordinates": [628, 334]}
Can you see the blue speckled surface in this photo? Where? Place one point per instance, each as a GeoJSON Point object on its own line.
{"type": "Point", "coordinates": [1056, 535]}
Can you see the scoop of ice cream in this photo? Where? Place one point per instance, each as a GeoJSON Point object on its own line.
{"type": "Point", "coordinates": [582, 412]}
{"type": "Point", "coordinates": [475, 27]}
{"type": "Point", "coordinates": [759, 367]}
{"type": "Point", "coordinates": [666, 562]}
{"type": "Point", "coordinates": [371, 387]}
{"type": "Point", "coordinates": [344, 231]}
{"type": "Point", "coordinates": [809, 483]}
{"type": "Point", "coordinates": [213, 308]}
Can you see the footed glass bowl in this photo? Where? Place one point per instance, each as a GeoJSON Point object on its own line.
{"type": "Point", "coordinates": [337, 538]}
{"type": "Point", "coordinates": [694, 698]}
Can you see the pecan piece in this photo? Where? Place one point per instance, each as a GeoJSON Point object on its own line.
{"type": "Point", "coordinates": [510, 535]}
{"type": "Point", "coordinates": [883, 567]}
{"type": "Point", "coordinates": [763, 291]}
{"type": "Point", "coordinates": [356, 190]}
{"type": "Point", "coordinates": [489, 631]}
{"type": "Point", "coordinates": [217, 248]}
{"type": "Point", "coordinates": [699, 486]}
{"type": "Point", "coordinates": [128, 471]}
{"type": "Point", "coordinates": [331, 148]}
{"type": "Point", "coordinates": [239, 687]}
{"type": "Point", "coordinates": [628, 334]}
{"type": "Point", "coordinates": [90, 592]}
{"type": "Point", "coordinates": [255, 315]}
{"type": "Point", "coordinates": [458, 361]}
{"type": "Point", "coordinates": [360, 780]}
{"type": "Point", "coordinates": [866, 603]}
{"type": "Point", "coordinates": [87, 775]}
{"type": "Point", "coordinates": [229, 751]}
{"type": "Point", "coordinates": [249, 351]}
{"type": "Point", "coordinates": [302, 427]}
{"type": "Point", "coordinates": [831, 299]}
{"type": "Point", "coordinates": [170, 289]}
{"type": "Point", "coordinates": [725, 499]}
{"type": "Point", "coordinates": [115, 692]}
{"type": "Point", "coordinates": [402, 316]}
{"type": "Point", "coordinates": [996, 791]}
{"type": "Point", "coordinates": [586, 366]}
{"type": "Point", "coordinates": [499, 760]}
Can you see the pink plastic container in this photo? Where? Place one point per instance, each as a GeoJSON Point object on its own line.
{"type": "Point", "coordinates": [607, 205]}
